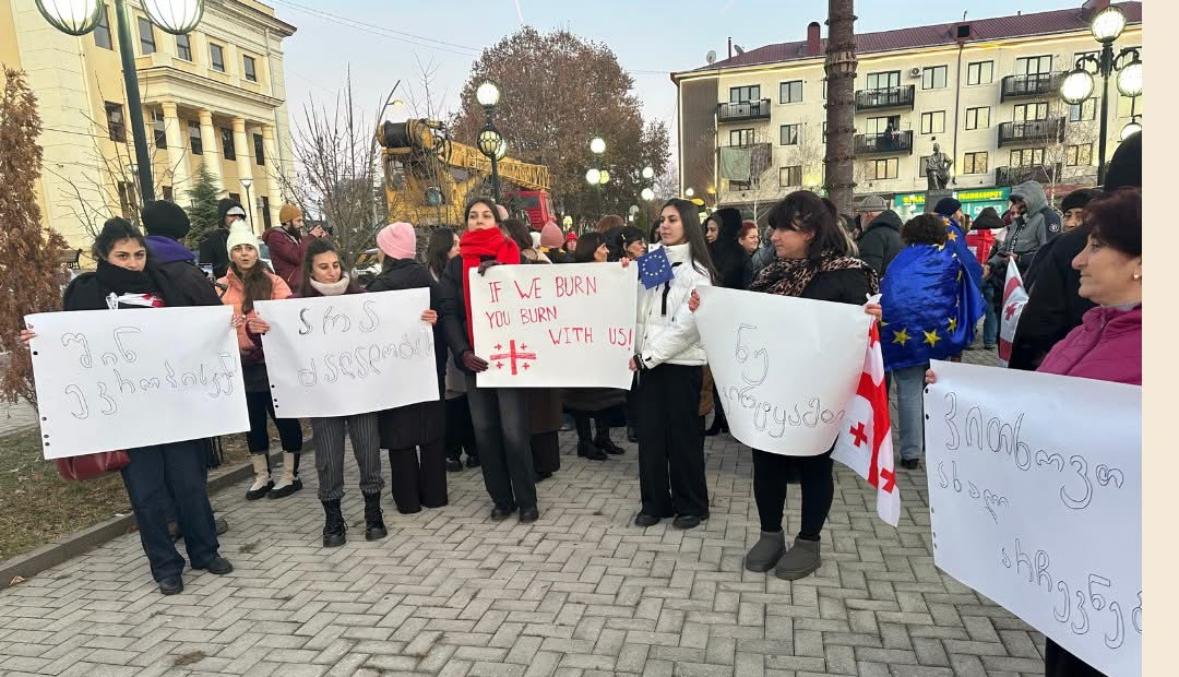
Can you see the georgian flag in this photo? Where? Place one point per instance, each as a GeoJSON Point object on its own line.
{"type": "Point", "coordinates": [865, 441]}
{"type": "Point", "coordinates": [1014, 299]}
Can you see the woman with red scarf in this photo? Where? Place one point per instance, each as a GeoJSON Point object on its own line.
{"type": "Point", "coordinates": [500, 415]}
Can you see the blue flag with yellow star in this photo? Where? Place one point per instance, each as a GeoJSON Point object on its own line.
{"type": "Point", "coordinates": [931, 302]}
{"type": "Point", "coordinates": [654, 268]}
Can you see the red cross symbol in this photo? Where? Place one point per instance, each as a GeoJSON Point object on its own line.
{"type": "Point", "coordinates": [858, 431]}
{"type": "Point", "coordinates": [513, 356]}
{"type": "Point", "coordinates": [890, 480]}
{"type": "Point", "coordinates": [1010, 311]}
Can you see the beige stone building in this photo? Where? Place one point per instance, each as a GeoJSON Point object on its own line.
{"type": "Point", "coordinates": [215, 96]}
{"type": "Point", "coordinates": [752, 127]}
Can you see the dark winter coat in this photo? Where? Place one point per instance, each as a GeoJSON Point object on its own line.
{"type": "Point", "coordinates": [728, 257]}
{"type": "Point", "coordinates": [286, 255]}
{"type": "Point", "coordinates": [214, 252]}
{"type": "Point", "coordinates": [424, 422]}
{"type": "Point", "coordinates": [87, 291]}
{"type": "Point", "coordinates": [881, 241]}
{"type": "Point", "coordinates": [840, 286]}
{"type": "Point", "coordinates": [452, 310]}
{"type": "Point", "coordinates": [175, 261]}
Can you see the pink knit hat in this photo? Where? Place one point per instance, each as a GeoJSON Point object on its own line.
{"type": "Point", "coordinates": [398, 241]}
{"type": "Point", "coordinates": [551, 236]}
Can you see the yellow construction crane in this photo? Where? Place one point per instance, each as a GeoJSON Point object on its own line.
{"type": "Point", "coordinates": [429, 177]}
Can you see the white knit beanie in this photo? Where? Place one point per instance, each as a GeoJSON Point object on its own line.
{"type": "Point", "coordinates": [240, 233]}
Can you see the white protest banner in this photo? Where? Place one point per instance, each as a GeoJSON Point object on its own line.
{"type": "Point", "coordinates": [785, 368]}
{"type": "Point", "coordinates": [121, 379]}
{"type": "Point", "coordinates": [568, 325]}
{"type": "Point", "coordinates": [1035, 501]}
{"type": "Point", "coordinates": [351, 354]}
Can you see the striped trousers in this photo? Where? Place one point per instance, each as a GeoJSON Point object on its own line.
{"type": "Point", "coordinates": [329, 453]}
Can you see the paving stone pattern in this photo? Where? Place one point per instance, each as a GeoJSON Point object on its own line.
{"type": "Point", "coordinates": [581, 592]}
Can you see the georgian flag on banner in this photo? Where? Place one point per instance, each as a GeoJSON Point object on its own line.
{"type": "Point", "coordinates": [865, 442]}
{"type": "Point", "coordinates": [1014, 299]}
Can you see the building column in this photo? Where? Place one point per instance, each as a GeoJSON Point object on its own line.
{"type": "Point", "coordinates": [274, 176]}
{"type": "Point", "coordinates": [210, 155]}
{"type": "Point", "coordinates": [177, 158]}
{"type": "Point", "coordinates": [245, 169]}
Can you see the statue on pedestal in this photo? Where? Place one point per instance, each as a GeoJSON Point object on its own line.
{"type": "Point", "coordinates": [937, 169]}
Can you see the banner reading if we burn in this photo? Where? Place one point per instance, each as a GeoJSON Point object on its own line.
{"type": "Point", "coordinates": [567, 325]}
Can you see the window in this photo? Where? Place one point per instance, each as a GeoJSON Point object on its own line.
{"type": "Point", "coordinates": [980, 72]}
{"type": "Point", "coordinates": [790, 92]}
{"type": "Point", "coordinates": [102, 30]}
{"type": "Point", "coordinates": [116, 124]}
{"type": "Point", "coordinates": [883, 80]}
{"type": "Point", "coordinates": [978, 118]}
{"type": "Point", "coordinates": [1027, 157]}
{"type": "Point", "coordinates": [259, 153]}
{"type": "Point", "coordinates": [1034, 65]}
{"type": "Point", "coordinates": [250, 68]}
{"type": "Point", "coordinates": [824, 132]}
{"type": "Point", "coordinates": [217, 57]}
{"type": "Point", "coordinates": [157, 125]}
{"type": "Point", "coordinates": [789, 135]}
{"type": "Point", "coordinates": [933, 77]}
{"type": "Point", "coordinates": [1025, 112]}
{"type": "Point", "coordinates": [194, 138]}
{"type": "Point", "coordinates": [1080, 155]}
{"type": "Point", "coordinates": [1086, 110]}
{"type": "Point", "coordinates": [880, 125]}
{"type": "Point", "coordinates": [264, 205]}
{"type": "Point", "coordinates": [745, 94]}
{"type": "Point", "coordinates": [883, 169]}
{"type": "Point", "coordinates": [789, 177]}
{"type": "Point", "coordinates": [228, 151]}
{"type": "Point", "coordinates": [127, 199]}
{"type": "Point", "coordinates": [184, 47]}
{"type": "Point", "coordinates": [147, 37]}
{"type": "Point", "coordinates": [933, 122]}
{"type": "Point", "coordinates": [741, 137]}
{"type": "Point", "coordinates": [974, 163]}
{"type": "Point", "coordinates": [236, 197]}
{"type": "Point", "coordinates": [824, 89]}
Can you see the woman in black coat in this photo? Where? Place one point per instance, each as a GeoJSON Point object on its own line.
{"type": "Point", "coordinates": [405, 430]}
{"type": "Point", "coordinates": [731, 262]}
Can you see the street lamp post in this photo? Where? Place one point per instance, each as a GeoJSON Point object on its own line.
{"type": "Point", "coordinates": [247, 182]}
{"type": "Point", "coordinates": [1078, 85]}
{"type": "Point", "coordinates": [490, 141]}
{"type": "Point", "coordinates": [79, 17]}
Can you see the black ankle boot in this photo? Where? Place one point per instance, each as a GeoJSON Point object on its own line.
{"type": "Point", "coordinates": [374, 524]}
{"type": "Point", "coordinates": [607, 445]}
{"type": "Point", "coordinates": [587, 449]}
{"type": "Point", "coordinates": [334, 527]}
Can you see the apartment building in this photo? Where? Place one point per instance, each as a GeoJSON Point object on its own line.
{"type": "Point", "coordinates": [214, 97]}
{"type": "Point", "coordinates": [752, 127]}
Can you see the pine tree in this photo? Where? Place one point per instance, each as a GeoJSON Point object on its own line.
{"type": "Point", "coordinates": [29, 255]}
{"type": "Point", "coordinates": [202, 213]}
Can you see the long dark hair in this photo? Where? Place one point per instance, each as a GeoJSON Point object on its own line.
{"type": "Point", "coordinates": [586, 246]}
{"type": "Point", "coordinates": [255, 282]}
{"type": "Point", "coordinates": [114, 230]}
{"type": "Point", "coordinates": [490, 205]}
{"type": "Point", "coordinates": [518, 232]}
{"type": "Point", "coordinates": [438, 249]}
{"type": "Point", "coordinates": [694, 234]}
{"type": "Point", "coordinates": [806, 212]}
{"type": "Point", "coordinates": [319, 245]}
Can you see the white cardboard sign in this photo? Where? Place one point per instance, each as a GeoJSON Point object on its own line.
{"type": "Point", "coordinates": [351, 354]}
{"type": "Point", "coordinates": [121, 379]}
{"type": "Point", "coordinates": [785, 368]}
{"type": "Point", "coordinates": [1035, 501]}
{"type": "Point", "coordinates": [567, 325]}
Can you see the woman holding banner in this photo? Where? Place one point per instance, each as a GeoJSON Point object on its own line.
{"type": "Point", "coordinates": [668, 362]}
{"type": "Point", "coordinates": [500, 415]}
{"type": "Point", "coordinates": [417, 481]}
{"type": "Point", "coordinates": [813, 262]}
{"type": "Point", "coordinates": [164, 476]}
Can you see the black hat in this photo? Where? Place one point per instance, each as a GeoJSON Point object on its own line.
{"type": "Point", "coordinates": [1078, 198]}
{"type": "Point", "coordinates": [987, 219]}
{"type": "Point", "coordinates": [947, 206]}
{"type": "Point", "coordinates": [162, 217]}
{"type": "Point", "coordinates": [1125, 167]}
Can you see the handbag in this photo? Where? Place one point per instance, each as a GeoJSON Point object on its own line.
{"type": "Point", "coordinates": [91, 466]}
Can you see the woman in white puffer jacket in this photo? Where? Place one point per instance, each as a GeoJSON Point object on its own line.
{"type": "Point", "coordinates": [669, 362]}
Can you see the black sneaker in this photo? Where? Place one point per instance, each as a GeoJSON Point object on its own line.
{"type": "Point", "coordinates": [687, 522]}
{"type": "Point", "coordinates": [586, 449]}
{"type": "Point", "coordinates": [645, 520]}
{"type": "Point", "coordinates": [529, 515]}
{"type": "Point", "coordinates": [910, 463]}
{"type": "Point", "coordinates": [501, 513]}
{"type": "Point", "coordinates": [171, 586]}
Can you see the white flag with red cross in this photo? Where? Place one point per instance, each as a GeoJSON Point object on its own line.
{"type": "Point", "coordinates": [865, 440]}
{"type": "Point", "coordinates": [1015, 297]}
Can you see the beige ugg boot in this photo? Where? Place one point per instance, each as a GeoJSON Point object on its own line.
{"type": "Point", "coordinates": [262, 482]}
{"type": "Point", "coordinates": [289, 483]}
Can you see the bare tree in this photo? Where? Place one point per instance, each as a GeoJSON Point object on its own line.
{"type": "Point", "coordinates": [840, 67]}
{"type": "Point", "coordinates": [1070, 157]}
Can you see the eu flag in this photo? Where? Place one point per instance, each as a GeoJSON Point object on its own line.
{"type": "Point", "coordinates": [931, 302]}
{"type": "Point", "coordinates": [654, 268]}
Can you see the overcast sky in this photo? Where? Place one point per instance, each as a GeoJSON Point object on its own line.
{"type": "Point", "coordinates": [385, 40]}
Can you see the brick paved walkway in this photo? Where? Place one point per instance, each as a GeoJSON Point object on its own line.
{"type": "Point", "coordinates": [581, 592]}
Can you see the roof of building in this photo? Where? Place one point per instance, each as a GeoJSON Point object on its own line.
{"type": "Point", "coordinates": [981, 30]}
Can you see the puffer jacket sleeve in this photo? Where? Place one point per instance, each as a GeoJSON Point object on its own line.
{"type": "Point", "coordinates": [681, 332]}
{"type": "Point", "coordinates": [281, 290]}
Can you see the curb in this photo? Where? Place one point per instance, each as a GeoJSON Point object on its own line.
{"type": "Point", "coordinates": [67, 547]}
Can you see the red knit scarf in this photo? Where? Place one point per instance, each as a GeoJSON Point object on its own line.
{"type": "Point", "coordinates": [477, 246]}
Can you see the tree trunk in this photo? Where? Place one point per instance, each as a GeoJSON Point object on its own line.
{"type": "Point", "coordinates": [840, 67]}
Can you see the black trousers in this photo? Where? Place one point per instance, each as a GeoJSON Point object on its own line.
{"type": "Point", "coordinates": [769, 490]}
{"type": "Point", "coordinates": [502, 431]}
{"type": "Point", "coordinates": [460, 434]}
{"type": "Point", "coordinates": [671, 441]}
{"type": "Point", "coordinates": [171, 476]}
{"type": "Point", "coordinates": [546, 452]}
{"type": "Point", "coordinates": [581, 419]}
{"type": "Point", "coordinates": [259, 406]}
{"type": "Point", "coordinates": [418, 483]}
{"type": "Point", "coordinates": [1061, 663]}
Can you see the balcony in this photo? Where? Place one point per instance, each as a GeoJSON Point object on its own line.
{"type": "Point", "coordinates": [891, 97]}
{"type": "Point", "coordinates": [1013, 176]}
{"type": "Point", "coordinates": [1032, 131]}
{"type": "Point", "coordinates": [884, 144]}
{"type": "Point", "coordinates": [744, 110]}
{"type": "Point", "coordinates": [1038, 84]}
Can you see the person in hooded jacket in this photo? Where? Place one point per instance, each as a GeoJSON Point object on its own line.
{"type": "Point", "coordinates": [160, 477]}
{"type": "Point", "coordinates": [1033, 226]}
{"type": "Point", "coordinates": [417, 481]}
{"type": "Point", "coordinates": [286, 245]}
{"type": "Point", "coordinates": [881, 241]}
{"type": "Point", "coordinates": [1073, 208]}
{"type": "Point", "coordinates": [212, 247]}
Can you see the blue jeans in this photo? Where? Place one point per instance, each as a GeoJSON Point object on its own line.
{"type": "Point", "coordinates": [991, 318]}
{"type": "Point", "coordinates": [910, 405]}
